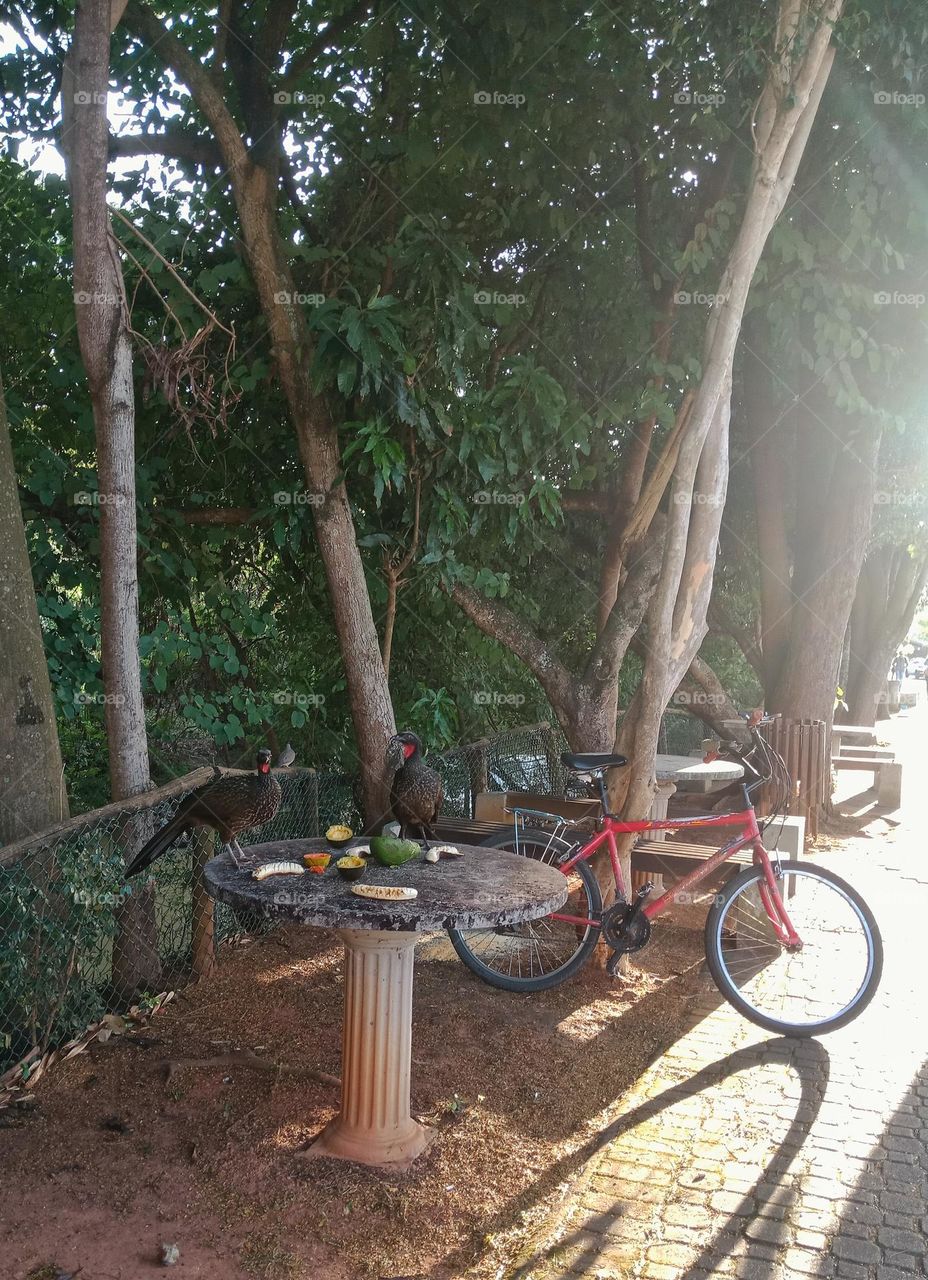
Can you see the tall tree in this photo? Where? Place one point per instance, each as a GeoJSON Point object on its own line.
{"type": "Point", "coordinates": [245, 70]}
{"type": "Point", "coordinates": [799, 65]}
{"type": "Point", "coordinates": [889, 589]}
{"type": "Point", "coordinates": [32, 785]}
{"type": "Point", "coordinates": [106, 350]}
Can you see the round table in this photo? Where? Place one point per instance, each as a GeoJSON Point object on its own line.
{"type": "Point", "coordinates": [673, 770]}
{"type": "Point", "coordinates": [479, 890]}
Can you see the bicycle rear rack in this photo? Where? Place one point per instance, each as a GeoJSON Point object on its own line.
{"type": "Point", "coordinates": [557, 820]}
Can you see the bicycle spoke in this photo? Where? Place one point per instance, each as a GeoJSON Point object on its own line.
{"type": "Point", "coordinates": [822, 980]}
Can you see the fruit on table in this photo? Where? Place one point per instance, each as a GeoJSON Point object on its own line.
{"type": "Point", "coordinates": [317, 862]}
{"type": "Point", "coordinates": [385, 892]}
{"type": "Point", "coordinates": [339, 834]}
{"type": "Point", "coordinates": [277, 869]}
{"type": "Point", "coordinates": [351, 867]}
{"type": "Point", "coordinates": [392, 852]}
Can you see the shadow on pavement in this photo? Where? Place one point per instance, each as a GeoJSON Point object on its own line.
{"type": "Point", "coordinates": [811, 1063]}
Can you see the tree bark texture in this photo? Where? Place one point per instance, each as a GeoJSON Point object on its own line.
{"type": "Point", "coordinates": [106, 351]}
{"type": "Point", "coordinates": [32, 786]}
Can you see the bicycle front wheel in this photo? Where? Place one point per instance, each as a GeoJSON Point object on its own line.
{"type": "Point", "coordinates": [805, 991]}
{"type": "Point", "coordinates": [536, 954]}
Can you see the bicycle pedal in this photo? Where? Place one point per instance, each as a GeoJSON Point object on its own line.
{"type": "Point", "coordinates": [644, 892]}
{"type": "Point", "coordinates": [612, 964]}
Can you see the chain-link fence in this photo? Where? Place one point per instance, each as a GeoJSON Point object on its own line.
{"type": "Point", "coordinates": [77, 942]}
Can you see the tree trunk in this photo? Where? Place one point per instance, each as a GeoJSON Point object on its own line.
{"type": "Point", "coordinates": [890, 586]}
{"type": "Point", "coordinates": [368, 691]}
{"type": "Point", "coordinates": [766, 434]}
{"type": "Point", "coordinates": [253, 175]}
{"type": "Point", "coordinates": [32, 788]}
{"type": "Point", "coordinates": [830, 552]}
{"type": "Point", "coordinates": [676, 621]}
{"type": "Point", "coordinates": [106, 351]}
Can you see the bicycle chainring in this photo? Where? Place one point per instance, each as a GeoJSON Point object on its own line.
{"type": "Point", "coordinates": [625, 927]}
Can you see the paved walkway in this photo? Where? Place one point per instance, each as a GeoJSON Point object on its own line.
{"type": "Point", "coordinates": [748, 1156]}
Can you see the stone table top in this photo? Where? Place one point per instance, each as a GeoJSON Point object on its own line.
{"type": "Point", "coordinates": [692, 769]}
{"type": "Point", "coordinates": [484, 888]}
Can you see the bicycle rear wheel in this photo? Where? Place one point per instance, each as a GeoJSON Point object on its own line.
{"type": "Point", "coordinates": [536, 954]}
{"type": "Point", "coordinates": [807, 991]}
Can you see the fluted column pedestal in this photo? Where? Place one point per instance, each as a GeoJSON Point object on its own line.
{"type": "Point", "coordinates": [374, 1125]}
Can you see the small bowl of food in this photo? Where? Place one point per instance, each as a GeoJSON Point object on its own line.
{"type": "Point", "coordinates": [316, 862]}
{"type": "Point", "coordinates": [339, 835]}
{"type": "Point", "coordinates": [351, 867]}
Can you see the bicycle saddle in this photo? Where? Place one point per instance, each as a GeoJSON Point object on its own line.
{"type": "Point", "coordinates": [590, 763]}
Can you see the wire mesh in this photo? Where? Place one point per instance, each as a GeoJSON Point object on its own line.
{"type": "Point", "coordinates": [76, 942]}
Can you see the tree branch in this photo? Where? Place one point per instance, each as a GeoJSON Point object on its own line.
{"type": "Point", "coordinates": [301, 62]}
{"type": "Point", "coordinates": [498, 622]}
{"type": "Point", "coordinates": [176, 144]}
{"type": "Point", "coordinates": [721, 620]}
{"type": "Point", "coordinates": [206, 93]}
{"type": "Point", "coordinates": [626, 614]}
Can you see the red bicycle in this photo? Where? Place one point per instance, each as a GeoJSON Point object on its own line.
{"type": "Point", "coordinates": [791, 945]}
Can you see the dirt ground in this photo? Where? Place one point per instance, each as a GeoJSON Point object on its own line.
{"type": "Point", "coordinates": [117, 1156]}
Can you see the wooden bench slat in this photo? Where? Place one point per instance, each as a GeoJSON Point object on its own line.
{"type": "Point", "coordinates": [685, 849]}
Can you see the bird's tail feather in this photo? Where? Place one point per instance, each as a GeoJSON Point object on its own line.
{"type": "Point", "coordinates": [160, 841]}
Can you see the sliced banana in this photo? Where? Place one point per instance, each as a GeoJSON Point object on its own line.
{"type": "Point", "coordinates": [385, 892]}
{"type": "Point", "coordinates": [448, 851]}
{"type": "Point", "coordinates": [278, 869]}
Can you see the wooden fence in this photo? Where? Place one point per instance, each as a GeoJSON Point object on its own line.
{"type": "Point", "coordinates": [803, 744]}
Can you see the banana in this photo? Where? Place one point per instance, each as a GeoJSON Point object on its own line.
{"type": "Point", "coordinates": [278, 869]}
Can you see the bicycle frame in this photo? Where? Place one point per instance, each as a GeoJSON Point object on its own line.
{"type": "Point", "coordinates": [749, 834]}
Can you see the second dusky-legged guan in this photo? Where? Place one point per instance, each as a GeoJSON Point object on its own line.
{"type": "Point", "coordinates": [416, 790]}
{"type": "Point", "coordinates": [231, 804]}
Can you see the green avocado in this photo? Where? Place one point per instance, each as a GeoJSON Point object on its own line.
{"type": "Point", "coordinates": [392, 852]}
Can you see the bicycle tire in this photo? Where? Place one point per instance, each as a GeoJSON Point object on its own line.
{"type": "Point", "coordinates": [546, 848]}
{"type": "Point", "coordinates": [718, 959]}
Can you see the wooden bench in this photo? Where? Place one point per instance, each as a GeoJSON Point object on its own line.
{"type": "Point", "coordinates": [675, 858]}
{"type": "Point", "coordinates": [680, 856]}
{"type": "Point", "coordinates": [887, 776]}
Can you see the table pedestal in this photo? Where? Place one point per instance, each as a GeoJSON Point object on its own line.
{"type": "Point", "coordinates": [374, 1125]}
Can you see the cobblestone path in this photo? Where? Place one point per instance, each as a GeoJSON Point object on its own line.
{"type": "Point", "coordinates": [743, 1155]}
